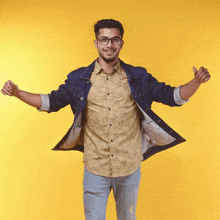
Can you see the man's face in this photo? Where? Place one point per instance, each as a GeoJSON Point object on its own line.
{"type": "Point", "coordinates": [110, 52]}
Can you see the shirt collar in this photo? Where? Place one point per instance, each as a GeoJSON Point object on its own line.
{"type": "Point", "coordinates": [98, 68]}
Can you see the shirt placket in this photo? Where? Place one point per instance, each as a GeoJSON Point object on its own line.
{"type": "Point", "coordinates": [110, 109]}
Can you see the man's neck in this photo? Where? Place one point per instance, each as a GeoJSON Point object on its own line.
{"type": "Point", "coordinates": [107, 67]}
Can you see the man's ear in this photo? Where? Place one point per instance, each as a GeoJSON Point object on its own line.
{"type": "Point", "coordinates": [96, 43]}
{"type": "Point", "coordinates": [122, 43]}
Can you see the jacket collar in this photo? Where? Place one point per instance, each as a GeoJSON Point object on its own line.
{"type": "Point", "coordinates": [127, 68]}
{"type": "Point", "coordinates": [88, 71]}
{"type": "Point", "coordinates": [129, 72]}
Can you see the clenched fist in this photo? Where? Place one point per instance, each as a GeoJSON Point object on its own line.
{"type": "Point", "coordinates": [202, 75]}
{"type": "Point", "coordinates": [10, 88]}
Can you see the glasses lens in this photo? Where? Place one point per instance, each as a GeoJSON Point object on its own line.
{"type": "Point", "coordinates": [116, 41]}
{"type": "Point", "coordinates": [103, 40]}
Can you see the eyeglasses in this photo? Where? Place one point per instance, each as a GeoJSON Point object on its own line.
{"type": "Point", "coordinates": [105, 40]}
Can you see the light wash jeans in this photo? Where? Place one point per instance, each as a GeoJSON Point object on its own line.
{"type": "Point", "coordinates": [96, 190]}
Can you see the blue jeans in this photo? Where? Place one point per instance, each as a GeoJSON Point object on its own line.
{"type": "Point", "coordinates": [96, 190]}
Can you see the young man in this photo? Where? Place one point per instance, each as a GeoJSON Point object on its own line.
{"type": "Point", "coordinates": [113, 125]}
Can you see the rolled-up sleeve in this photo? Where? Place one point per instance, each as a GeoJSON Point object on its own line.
{"type": "Point", "coordinates": [45, 106]}
{"type": "Point", "coordinates": [177, 98]}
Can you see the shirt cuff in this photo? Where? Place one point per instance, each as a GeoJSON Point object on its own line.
{"type": "Point", "coordinates": [177, 98]}
{"type": "Point", "coordinates": [45, 106]}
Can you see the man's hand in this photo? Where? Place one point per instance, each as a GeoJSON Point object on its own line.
{"type": "Point", "coordinates": [202, 75]}
{"type": "Point", "coordinates": [10, 88]}
{"type": "Point", "coordinates": [32, 99]}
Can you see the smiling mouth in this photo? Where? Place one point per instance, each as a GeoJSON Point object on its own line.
{"type": "Point", "coordinates": [109, 51]}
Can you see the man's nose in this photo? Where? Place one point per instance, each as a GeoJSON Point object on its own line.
{"type": "Point", "coordinates": [109, 43]}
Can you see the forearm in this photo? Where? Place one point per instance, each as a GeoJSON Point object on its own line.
{"type": "Point", "coordinates": [29, 98]}
{"type": "Point", "coordinates": [187, 90]}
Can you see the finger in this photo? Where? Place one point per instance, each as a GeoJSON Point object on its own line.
{"type": "Point", "coordinates": [198, 74]}
{"type": "Point", "coordinates": [7, 86]}
{"type": "Point", "coordinates": [10, 83]}
{"type": "Point", "coordinates": [201, 72]}
{"type": "Point", "coordinates": [204, 76]}
{"type": "Point", "coordinates": [195, 70]}
{"type": "Point", "coordinates": [201, 69]}
{"type": "Point", "coordinates": [6, 92]}
{"type": "Point", "coordinates": [6, 89]}
{"type": "Point", "coordinates": [3, 92]}
{"type": "Point", "coordinates": [14, 86]}
{"type": "Point", "coordinates": [205, 73]}
{"type": "Point", "coordinates": [207, 79]}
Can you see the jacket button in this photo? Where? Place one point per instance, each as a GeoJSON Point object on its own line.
{"type": "Point", "coordinates": [81, 99]}
{"type": "Point", "coordinates": [87, 82]}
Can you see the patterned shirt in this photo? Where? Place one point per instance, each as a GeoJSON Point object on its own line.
{"type": "Point", "coordinates": [112, 142]}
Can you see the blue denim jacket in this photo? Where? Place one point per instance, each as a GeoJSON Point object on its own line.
{"type": "Point", "coordinates": [156, 135]}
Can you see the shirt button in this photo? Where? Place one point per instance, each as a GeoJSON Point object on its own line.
{"type": "Point", "coordinates": [111, 140]}
{"type": "Point", "coordinates": [107, 93]}
{"type": "Point", "coordinates": [112, 155]}
{"type": "Point", "coordinates": [81, 99]}
{"type": "Point", "coordinates": [110, 125]}
{"type": "Point", "coordinates": [107, 78]}
{"type": "Point", "coordinates": [109, 109]}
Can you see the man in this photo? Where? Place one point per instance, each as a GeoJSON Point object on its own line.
{"type": "Point", "coordinates": [113, 125]}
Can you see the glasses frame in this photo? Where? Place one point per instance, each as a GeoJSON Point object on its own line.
{"type": "Point", "coordinates": [110, 39]}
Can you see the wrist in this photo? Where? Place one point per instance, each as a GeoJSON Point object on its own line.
{"type": "Point", "coordinates": [196, 81]}
{"type": "Point", "coordinates": [17, 93]}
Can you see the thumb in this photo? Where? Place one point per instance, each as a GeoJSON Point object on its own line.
{"type": "Point", "coordinates": [12, 85]}
{"type": "Point", "coordinates": [194, 69]}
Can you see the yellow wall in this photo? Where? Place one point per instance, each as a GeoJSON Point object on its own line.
{"type": "Point", "coordinates": [42, 41]}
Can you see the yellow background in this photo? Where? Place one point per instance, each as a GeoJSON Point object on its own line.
{"type": "Point", "coordinates": [42, 41]}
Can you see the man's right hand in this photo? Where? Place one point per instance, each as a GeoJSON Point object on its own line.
{"type": "Point", "coordinates": [31, 99]}
{"type": "Point", "coordinates": [10, 88]}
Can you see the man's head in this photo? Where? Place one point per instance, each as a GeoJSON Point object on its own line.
{"type": "Point", "coordinates": [108, 23]}
{"type": "Point", "coordinates": [108, 41]}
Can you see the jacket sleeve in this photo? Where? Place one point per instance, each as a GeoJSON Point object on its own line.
{"type": "Point", "coordinates": [160, 92]}
{"type": "Point", "coordinates": [61, 97]}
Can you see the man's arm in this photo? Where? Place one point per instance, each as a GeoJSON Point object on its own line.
{"type": "Point", "coordinates": [12, 90]}
{"type": "Point", "coordinates": [201, 76]}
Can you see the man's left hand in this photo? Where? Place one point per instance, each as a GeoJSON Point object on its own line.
{"type": "Point", "coordinates": [202, 75]}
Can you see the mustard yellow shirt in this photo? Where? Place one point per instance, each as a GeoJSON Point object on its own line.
{"type": "Point", "coordinates": [112, 141]}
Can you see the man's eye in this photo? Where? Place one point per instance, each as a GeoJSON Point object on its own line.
{"type": "Point", "coordinates": [116, 40]}
{"type": "Point", "coordinates": [103, 40]}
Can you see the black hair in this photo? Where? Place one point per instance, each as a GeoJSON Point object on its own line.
{"type": "Point", "coordinates": [108, 23]}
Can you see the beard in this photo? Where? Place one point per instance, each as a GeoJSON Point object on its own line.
{"type": "Point", "coordinates": [109, 60]}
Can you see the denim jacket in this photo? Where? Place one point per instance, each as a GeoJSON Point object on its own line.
{"type": "Point", "coordinates": [156, 135]}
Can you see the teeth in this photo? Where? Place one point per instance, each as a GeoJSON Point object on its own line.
{"type": "Point", "coordinates": [109, 50]}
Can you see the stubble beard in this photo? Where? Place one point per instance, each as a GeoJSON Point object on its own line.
{"type": "Point", "coordinates": [109, 59]}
